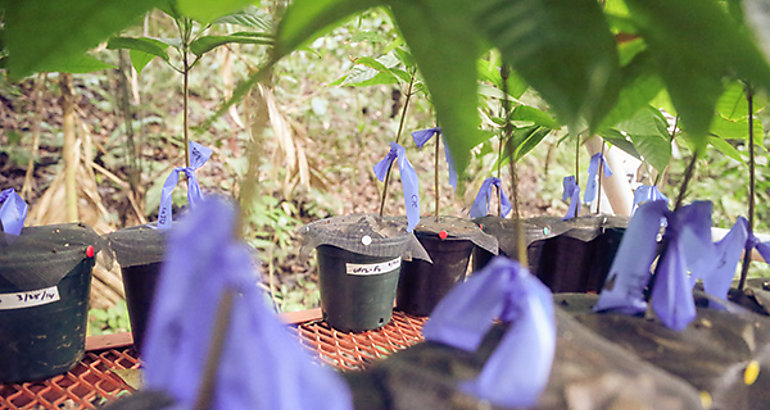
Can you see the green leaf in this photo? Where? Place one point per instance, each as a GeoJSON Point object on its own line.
{"type": "Point", "coordinates": [77, 64]}
{"type": "Point", "coordinates": [445, 45]}
{"type": "Point", "coordinates": [41, 34]}
{"type": "Point", "coordinates": [619, 140]}
{"type": "Point", "coordinates": [640, 85]}
{"type": "Point", "coordinates": [489, 70]}
{"type": "Point", "coordinates": [724, 147]}
{"type": "Point", "coordinates": [534, 115]}
{"type": "Point", "coordinates": [737, 130]}
{"type": "Point", "coordinates": [562, 48]}
{"type": "Point", "coordinates": [251, 17]}
{"type": "Point", "coordinates": [143, 44]}
{"type": "Point", "coordinates": [693, 48]}
{"type": "Point", "coordinates": [206, 43]}
{"type": "Point", "coordinates": [206, 11]}
{"type": "Point", "coordinates": [304, 20]}
{"type": "Point", "coordinates": [528, 140]}
{"type": "Point", "coordinates": [647, 131]}
{"type": "Point", "coordinates": [140, 59]}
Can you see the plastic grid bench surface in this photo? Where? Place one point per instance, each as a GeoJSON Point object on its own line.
{"type": "Point", "coordinates": [92, 383]}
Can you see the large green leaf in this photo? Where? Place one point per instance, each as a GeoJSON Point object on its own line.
{"type": "Point", "coordinates": [724, 147]}
{"type": "Point", "coordinates": [41, 34]}
{"type": "Point", "coordinates": [527, 139]}
{"type": "Point", "coordinates": [143, 49]}
{"type": "Point", "coordinates": [562, 48]}
{"type": "Point", "coordinates": [77, 64]}
{"type": "Point", "coordinates": [305, 20]}
{"type": "Point", "coordinates": [647, 130]}
{"type": "Point", "coordinates": [250, 17]}
{"type": "Point", "coordinates": [145, 44]}
{"type": "Point", "coordinates": [206, 11]}
{"type": "Point", "coordinates": [694, 46]}
{"type": "Point", "coordinates": [445, 44]}
{"type": "Point", "coordinates": [640, 85]}
{"type": "Point", "coordinates": [535, 116]}
{"type": "Point", "coordinates": [206, 43]}
{"type": "Point", "coordinates": [140, 59]}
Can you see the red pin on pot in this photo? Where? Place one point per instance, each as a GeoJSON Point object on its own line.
{"type": "Point", "coordinates": [90, 251]}
{"type": "Point", "coordinates": [442, 235]}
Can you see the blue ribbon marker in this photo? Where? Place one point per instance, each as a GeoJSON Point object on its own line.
{"type": "Point", "coordinates": [481, 204]}
{"type": "Point", "coordinates": [198, 156]}
{"type": "Point", "coordinates": [13, 211]}
{"type": "Point", "coordinates": [262, 366]}
{"type": "Point", "coordinates": [421, 137]}
{"type": "Point", "coordinates": [517, 372]}
{"type": "Point", "coordinates": [646, 193]}
{"type": "Point", "coordinates": [593, 170]}
{"type": "Point", "coordinates": [572, 193]}
{"type": "Point", "coordinates": [688, 245]}
{"type": "Point", "coordinates": [408, 182]}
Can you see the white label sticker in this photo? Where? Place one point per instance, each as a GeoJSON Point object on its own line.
{"type": "Point", "coordinates": [30, 298]}
{"type": "Point", "coordinates": [373, 268]}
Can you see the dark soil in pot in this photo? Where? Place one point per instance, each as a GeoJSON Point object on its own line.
{"type": "Point", "coordinates": [139, 251]}
{"type": "Point", "coordinates": [359, 260]}
{"type": "Point", "coordinates": [422, 284]}
{"type": "Point", "coordinates": [45, 282]}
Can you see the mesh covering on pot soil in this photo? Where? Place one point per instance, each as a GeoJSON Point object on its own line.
{"type": "Point", "coordinates": [722, 353]}
{"type": "Point", "coordinates": [504, 230]}
{"type": "Point", "coordinates": [42, 255]}
{"type": "Point", "coordinates": [588, 372]}
{"type": "Point", "coordinates": [138, 245]}
{"type": "Point", "coordinates": [458, 229]}
{"type": "Point", "coordinates": [367, 234]}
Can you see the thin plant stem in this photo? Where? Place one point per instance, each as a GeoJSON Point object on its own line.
{"type": "Point", "coordinates": [508, 136]}
{"type": "Point", "coordinates": [577, 160]}
{"type": "Point", "coordinates": [499, 173]}
{"type": "Point", "coordinates": [435, 176]}
{"type": "Point", "coordinates": [671, 142]}
{"type": "Point", "coordinates": [186, 73]}
{"type": "Point", "coordinates": [747, 252]}
{"type": "Point", "coordinates": [398, 139]}
{"type": "Point", "coordinates": [687, 176]}
{"type": "Point", "coordinates": [218, 336]}
{"type": "Point", "coordinates": [599, 188]}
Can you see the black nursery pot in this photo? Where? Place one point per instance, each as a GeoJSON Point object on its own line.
{"type": "Point", "coordinates": [45, 283]}
{"type": "Point", "coordinates": [45, 340]}
{"type": "Point", "coordinates": [569, 263]}
{"type": "Point", "coordinates": [357, 291]}
{"type": "Point", "coordinates": [139, 283]}
{"type": "Point", "coordinates": [422, 285]}
{"type": "Point", "coordinates": [139, 251]}
{"type": "Point", "coordinates": [505, 231]}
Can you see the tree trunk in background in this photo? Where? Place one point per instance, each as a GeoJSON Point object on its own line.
{"type": "Point", "coordinates": [69, 146]}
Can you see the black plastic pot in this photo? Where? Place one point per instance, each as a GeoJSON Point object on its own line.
{"type": "Point", "coordinates": [357, 291]}
{"type": "Point", "coordinates": [421, 284]}
{"type": "Point", "coordinates": [37, 342]}
{"type": "Point", "coordinates": [568, 264]}
{"type": "Point", "coordinates": [505, 231]}
{"type": "Point", "coordinates": [139, 251]}
{"type": "Point", "coordinates": [139, 282]}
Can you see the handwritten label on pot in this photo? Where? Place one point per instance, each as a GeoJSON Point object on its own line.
{"type": "Point", "coordinates": [372, 268]}
{"type": "Point", "coordinates": [30, 298]}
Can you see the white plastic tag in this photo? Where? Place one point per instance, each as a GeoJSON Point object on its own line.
{"type": "Point", "coordinates": [30, 298]}
{"type": "Point", "coordinates": [372, 268]}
